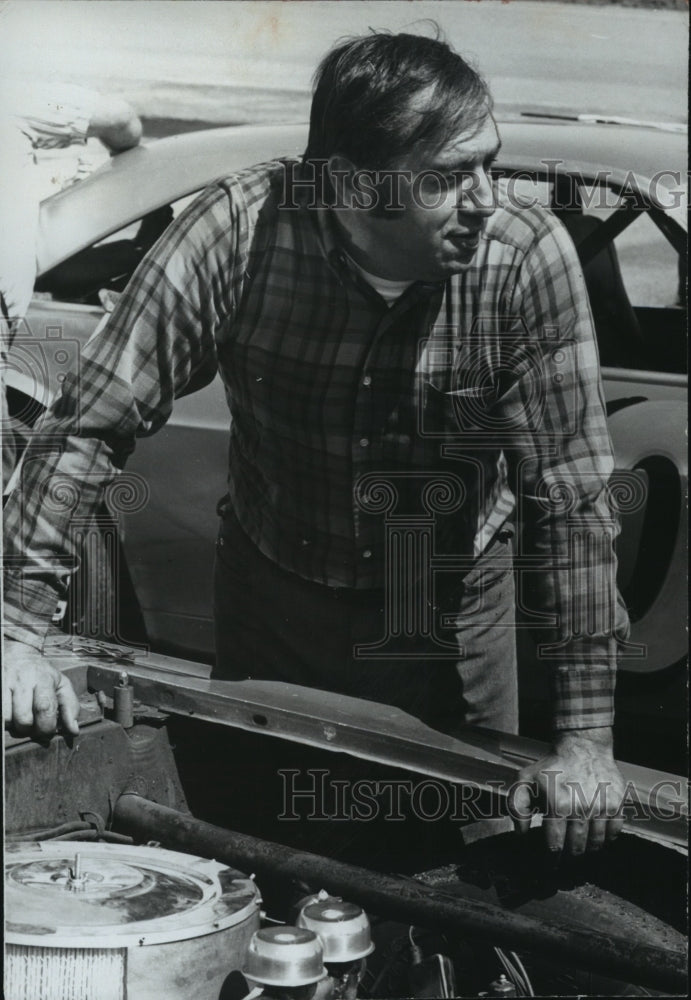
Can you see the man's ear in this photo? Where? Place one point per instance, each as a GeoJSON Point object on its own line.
{"type": "Point", "coordinates": [341, 171]}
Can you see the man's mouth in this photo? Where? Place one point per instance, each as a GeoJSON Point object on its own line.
{"type": "Point", "coordinates": [467, 242]}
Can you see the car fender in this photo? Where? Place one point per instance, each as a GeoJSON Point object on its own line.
{"type": "Point", "coordinates": [652, 436]}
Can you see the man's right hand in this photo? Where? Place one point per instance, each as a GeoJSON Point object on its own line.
{"type": "Point", "coordinates": [35, 695]}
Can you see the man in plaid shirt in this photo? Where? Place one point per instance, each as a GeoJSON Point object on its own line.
{"type": "Point", "coordinates": [408, 359]}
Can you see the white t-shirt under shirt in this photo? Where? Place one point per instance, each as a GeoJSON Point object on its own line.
{"type": "Point", "coordinates": [389, 290]}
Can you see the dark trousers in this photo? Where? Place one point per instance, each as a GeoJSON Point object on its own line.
{"type": "Point", "coordinates": [271, 624]}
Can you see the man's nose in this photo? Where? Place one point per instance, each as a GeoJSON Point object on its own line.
{"type": "Point", "coordinates": [477, 195]}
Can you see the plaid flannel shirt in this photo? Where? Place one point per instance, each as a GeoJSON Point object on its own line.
{"type": "Point", "coordinates": [468, 399]}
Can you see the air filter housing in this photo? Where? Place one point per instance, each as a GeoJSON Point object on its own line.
{"type": "Point", "coordinates": [111, 922]}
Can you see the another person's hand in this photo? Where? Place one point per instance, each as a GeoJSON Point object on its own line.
{"type": "Point", "coordinates": [35, 695]}
{"type": "Point", "coordinates": [578, 788]}
{"type": "Point", "coordinates": [115, 123]}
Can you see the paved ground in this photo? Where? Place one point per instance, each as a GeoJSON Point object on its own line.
{"type": "Point", "coordinates": [644, 4]}
{"type": "Point", "coordinates": [245, 61]}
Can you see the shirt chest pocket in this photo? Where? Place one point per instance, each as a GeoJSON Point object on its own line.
{"type": "Point", "coordinates": [456, 405]}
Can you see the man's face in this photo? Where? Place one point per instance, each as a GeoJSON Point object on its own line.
{"type": "Point", "coordinates": [446, 197]}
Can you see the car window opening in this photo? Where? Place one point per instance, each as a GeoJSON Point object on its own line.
{"type": "Point", "coordinates": [108, 264]}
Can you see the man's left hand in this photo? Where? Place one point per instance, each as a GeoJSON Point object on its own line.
{"type": "Point", "coordinates": [579, 789]}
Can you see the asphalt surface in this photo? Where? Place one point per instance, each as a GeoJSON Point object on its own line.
{"type": "Point", "coordinates": [248, 61]}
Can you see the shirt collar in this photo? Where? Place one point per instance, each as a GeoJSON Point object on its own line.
{"type": "Point", "coordinates": [327, 229]}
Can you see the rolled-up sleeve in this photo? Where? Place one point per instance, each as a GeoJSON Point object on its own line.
{"type": "Point", "coordinates": [51, 115]}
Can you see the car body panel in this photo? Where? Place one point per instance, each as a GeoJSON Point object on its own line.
{"type": "Point", "coordinates": [154, 174]}
{"type": "Point", "coordinates": [637, 440]}
{"type": "Point", "coordinates": [142, 179]}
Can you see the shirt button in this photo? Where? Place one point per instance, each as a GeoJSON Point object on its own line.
{"type": "Point", "coordinates": [367, 554]}
{"type": "Point", "coordinates": [364, 442]}
{"type": "Point", "coordinates": [367, 380]}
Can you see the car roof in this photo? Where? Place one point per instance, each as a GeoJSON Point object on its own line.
{"type": "Point", "coordinates": [159, 172]}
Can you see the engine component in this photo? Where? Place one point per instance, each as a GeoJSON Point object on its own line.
{"type": "Point", "coordinates": [113, 921]}
{"type": "Point", "coordinates": [413, 901]}
{"type": "Point", "coordinates": [502, 987]}
{"type": "Point", "coordinates": [123, 701]}
{"type": "Point", "coordinates": [430, 977]}
{"type": "Point", "coordinates": [516, 976]}
{"type": "Point", "coordinates": [285, 957]}
{"type": "Point", "coordinates": [344, 931]}
{"type": "Point", "coordinates": [343, 928]}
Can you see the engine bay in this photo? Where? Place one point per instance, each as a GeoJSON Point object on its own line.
{"type": "Point", "coordinates": [275, 851]}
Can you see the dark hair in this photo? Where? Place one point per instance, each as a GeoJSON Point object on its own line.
{"type": "Point", "coordinates": [378, 96]}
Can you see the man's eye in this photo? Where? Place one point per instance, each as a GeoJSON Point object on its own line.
{"type": "Point", "coordinates": [456, 178]}
{"type": "Point", "coordinates": [440, 181]}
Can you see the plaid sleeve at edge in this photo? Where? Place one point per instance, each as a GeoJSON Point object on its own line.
{"type": "Point", "coordinates": [160, 336]}
{"type": "Point", "coordinates": [562, 468]}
